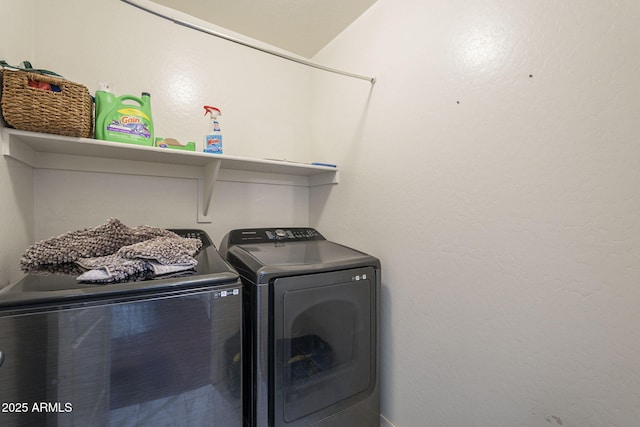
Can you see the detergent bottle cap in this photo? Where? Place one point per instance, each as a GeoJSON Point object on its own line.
{"type": "Point", "coordinates": [213, 111]}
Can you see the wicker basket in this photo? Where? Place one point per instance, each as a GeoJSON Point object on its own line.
{"type": "Point", "coordinates": [68, 112]}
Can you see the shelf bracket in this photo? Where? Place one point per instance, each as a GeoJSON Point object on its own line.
{"type": "Point", "coordinates": [14, 148]}
{"type": "Point", "coordinates": [206, 184]}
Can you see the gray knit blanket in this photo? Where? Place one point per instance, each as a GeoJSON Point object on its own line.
{"type": "Point", "coordinates": [113, 252]}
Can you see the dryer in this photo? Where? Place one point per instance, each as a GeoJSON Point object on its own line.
{"type": "Point", "coordinates": [311, 328]}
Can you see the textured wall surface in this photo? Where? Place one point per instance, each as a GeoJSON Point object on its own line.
{"type": "Point", "coordinates": [16, 180]}
{"type": "Point", "coordinates": [494, 169]}
{"type": "Point", "coordinates": [264, 100]}
{"type": "Point", "coordinates": [265, 114]}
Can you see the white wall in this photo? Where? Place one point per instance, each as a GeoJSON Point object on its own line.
{"type": "Point", "coordinates": [264, 102]}
{"type": "Point", "coordinates": [494, 170]}
{"type": "Point", "coordinates": [16, 180]}
{"type": "Point", "coordinates": [503, 206]}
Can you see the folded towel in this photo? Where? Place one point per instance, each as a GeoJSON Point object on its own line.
{"type": "Point", "coordinates": [165, 250]}
{"type": "Point", "coordinates": [103, 240]}
{"type": "Point", "coordinates": [114, 252]}
{"type": "Point", "coordinates": [162, 255]}
{"type": "Point", "coordinates": [110, 268]}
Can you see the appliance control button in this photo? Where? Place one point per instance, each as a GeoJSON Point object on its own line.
{"type": "Point", "coordinates": [280, 233]}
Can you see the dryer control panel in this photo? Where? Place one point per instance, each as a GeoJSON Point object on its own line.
{"type": "Point", "coordinates": [267, 235]}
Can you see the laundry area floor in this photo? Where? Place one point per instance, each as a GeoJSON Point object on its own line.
{"type": "Point", "coordinates": [191, 408]}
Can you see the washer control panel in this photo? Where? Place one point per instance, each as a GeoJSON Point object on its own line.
{"type": "Point", "coordinates": [266, 235]}
{"type": "Point", "coordinates": [191, 233]}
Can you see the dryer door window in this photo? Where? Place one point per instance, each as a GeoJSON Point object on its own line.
{"type": "Point", "coordinates": [324, 343]}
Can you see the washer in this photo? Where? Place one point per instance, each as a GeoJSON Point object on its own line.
{"type": "Point", "coordinates": [114, 354]}
{"type": "Point", "coordinates": [311, 328]}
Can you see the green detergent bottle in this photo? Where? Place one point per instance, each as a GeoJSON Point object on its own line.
{"type": "Point", "coordinates": [123, 119]}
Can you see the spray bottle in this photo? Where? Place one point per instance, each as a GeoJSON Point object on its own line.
{"type": "Point", "coordinates": [213, 139]}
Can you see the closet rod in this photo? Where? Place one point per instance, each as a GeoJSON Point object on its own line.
{"type": "Point", "coordinates": [372, 80]}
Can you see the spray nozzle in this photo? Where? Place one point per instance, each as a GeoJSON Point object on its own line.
{"type": "Point", "coordinates": [213, 111]}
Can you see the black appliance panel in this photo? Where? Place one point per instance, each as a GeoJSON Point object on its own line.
{"type": "Point", "coordinates": [324, 343]}
{"type": "Point", "coordinates": [266, 235]}
{"type": "Point", "coordinates": [99, 364]}
{"type": "Point", "coordinates": [315, 253]}
{"type": "Point", "coordinates": [292, 366]}
{"type": "Point", "coordinates": [119, 354]}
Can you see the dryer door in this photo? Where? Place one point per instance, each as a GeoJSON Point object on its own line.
{"type": "Point", "coordinates": [324, 344]}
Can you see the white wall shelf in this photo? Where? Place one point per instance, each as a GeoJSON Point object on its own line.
{"type": "Point", "coordinates": [46, 151]}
